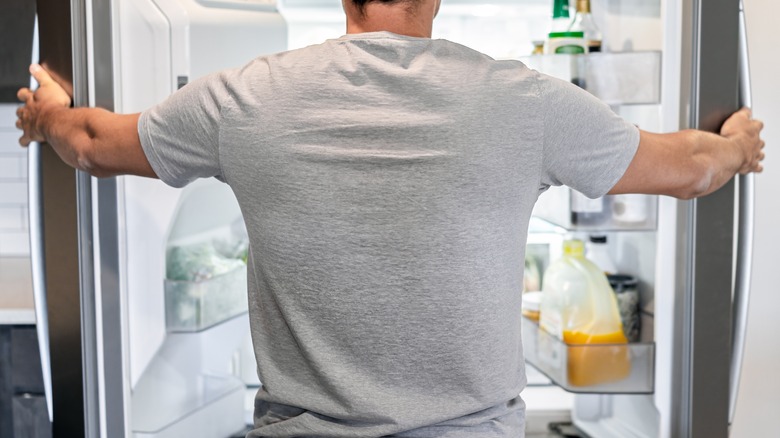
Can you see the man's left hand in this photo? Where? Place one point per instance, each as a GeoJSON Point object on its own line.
{"type": "Point", "coordinates": [48, 94]}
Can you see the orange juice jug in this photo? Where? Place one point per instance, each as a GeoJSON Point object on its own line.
{"type": "Point", "coordinates": [579, 307]}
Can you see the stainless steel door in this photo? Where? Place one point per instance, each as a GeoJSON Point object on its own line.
{"type": "Point", "coordinates": [64, 252]}
{"type": "Point", "coordinates": [703, 354]}
{"type": "Point", "coordinates": [59, 260]}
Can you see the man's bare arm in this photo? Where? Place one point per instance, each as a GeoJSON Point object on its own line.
{"type": "Point", "coordinates": [690, 163]}
{"type": "Point", "coordinates": [90, 139]}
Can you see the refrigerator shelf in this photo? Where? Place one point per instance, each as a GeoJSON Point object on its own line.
{"type": "Point", "coordinates": [591, 369]}
{"type": "Point", "coordinates": [617, 78]}
{"type": "Point", "coordinates": [572, 211]}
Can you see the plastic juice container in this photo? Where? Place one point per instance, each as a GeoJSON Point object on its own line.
{"type": "Point", "coordinates": [579, 307]}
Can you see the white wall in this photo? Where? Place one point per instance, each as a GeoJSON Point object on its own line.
{"type": "Point", "coordinates": [13, 187]}
{"type": "Point", "coordinates": [759, 397]}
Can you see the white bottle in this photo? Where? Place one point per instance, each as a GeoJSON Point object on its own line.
{"type": "Point", "coordinates": [561, 19]}
{"type": "Point", "coordinates": [597, 251]}
{"type": "Point", "coordinates": [630, 209]}
{"type": "Point", "coordinates": [560, 39]}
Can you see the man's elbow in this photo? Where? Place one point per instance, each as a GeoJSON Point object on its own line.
{"type": "Point", "coordinates": [95, 171]}
{"type": "Point", "coordinates": [87, 160]}
{"type": "Point", "coordinates": [698, 179]}
{"type": "Point", "coordinates": [688, 194]}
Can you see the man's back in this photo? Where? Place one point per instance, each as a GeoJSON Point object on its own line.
{"type": "Point", "coordinates": [386, 183]}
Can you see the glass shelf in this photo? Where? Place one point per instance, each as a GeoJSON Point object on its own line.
{"type": "Point", "coordinates": [618, 78]}
{"type": "Point", "coordinates": [593, 368]}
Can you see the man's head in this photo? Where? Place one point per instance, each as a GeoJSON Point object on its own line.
{"type": "Point", "coordinates": [407, 17]}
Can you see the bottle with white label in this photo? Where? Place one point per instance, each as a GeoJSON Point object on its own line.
{"type": "Point", "coordinates": [561, 20]}
{"type": "Point", "coordinates": [596, 251]}
{"type": "Point", "coordinates": [560, 40]}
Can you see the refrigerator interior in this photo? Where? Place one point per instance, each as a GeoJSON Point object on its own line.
{"type": "Point", "coordinates": [180, 40]}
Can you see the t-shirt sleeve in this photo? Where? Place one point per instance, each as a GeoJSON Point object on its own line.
{"type": "Point", "coordinates": [586, 145]}
{"type": "Point", "coordinates": [180, 136]}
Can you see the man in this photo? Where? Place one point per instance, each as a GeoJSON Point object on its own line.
{"type": "Point", "coordinates": [386, 181]}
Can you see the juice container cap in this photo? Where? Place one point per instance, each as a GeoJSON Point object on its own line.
{"type": "Point", "coordinates": [622, 283]}
{"type": "Point", "coordinates": [597, 238]}
{"type": "Point", "coordinates": [574, 248]}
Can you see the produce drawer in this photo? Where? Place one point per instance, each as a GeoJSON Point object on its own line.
{"type": "Point", "coordinates": [591, 369]}
{"type": "Point", "coordinates": [193, 306]}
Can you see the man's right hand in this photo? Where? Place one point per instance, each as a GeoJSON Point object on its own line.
{"type": "Point", "coordinates": [745, 132]}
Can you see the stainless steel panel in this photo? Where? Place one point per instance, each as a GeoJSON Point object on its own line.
{"type": "Point", "coordinates": [705, 354]}
{"type": "Point", "coordinates": [86, 247]}
{"type": "Point", "coordinates": [62, 281]}
{"type": "Point", "coordinates": [59, 226]}
{"type": "Point", "coordinates": [115, 384]}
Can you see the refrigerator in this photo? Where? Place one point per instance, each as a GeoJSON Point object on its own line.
{"type": "Point", "coordinates": [128, 351]}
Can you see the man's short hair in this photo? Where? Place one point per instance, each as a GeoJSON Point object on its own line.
{"type": "Point", "coordinates": [361, 4]}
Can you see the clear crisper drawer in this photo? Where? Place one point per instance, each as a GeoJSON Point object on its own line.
{"type": "Point", "coordinates": [602, 369]}
{"type": "Point", "coordinates": [196, 305]}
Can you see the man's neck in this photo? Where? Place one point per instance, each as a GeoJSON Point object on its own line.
{"type": "Point", "coordinates": [398, 18]}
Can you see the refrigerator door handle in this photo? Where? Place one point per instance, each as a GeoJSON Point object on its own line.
{"type": "Point", "coordinates": [744, 257]}
{"type": "Point", "coordinates": [37, 264]}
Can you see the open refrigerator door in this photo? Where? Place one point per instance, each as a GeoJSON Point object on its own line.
{"type": "Point", "coordinates": [184, 275]}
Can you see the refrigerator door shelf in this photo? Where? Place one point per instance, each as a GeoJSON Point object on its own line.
{"type": "Point", "coordinates": [593, 368]}
{"type": "Point", "coordinates": [572, 211]}
{"type": "Point", "coordinates": [617, 78]}
{"type": "Point", "coordinates": [191, 387]}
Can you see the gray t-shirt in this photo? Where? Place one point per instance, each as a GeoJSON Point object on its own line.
{"type": "Point", "coordinates": [387, 183]}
